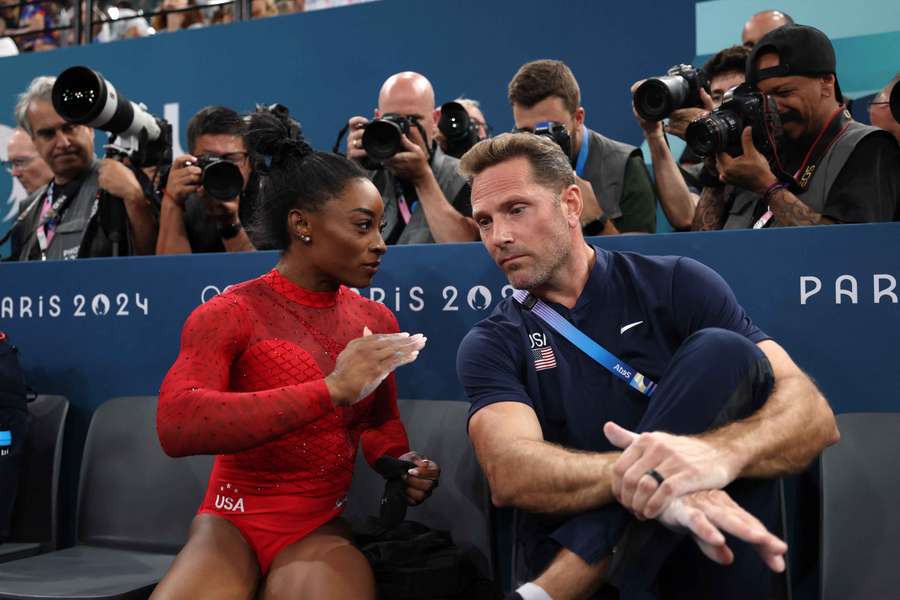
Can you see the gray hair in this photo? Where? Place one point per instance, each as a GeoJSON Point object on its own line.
{"type": "Point", "coordinates": [40, 88]}
{"type": "Point", "coordinates": [468, 102]}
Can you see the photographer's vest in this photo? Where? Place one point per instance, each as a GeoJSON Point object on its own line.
{"type": "Point", "coordinates": [605, 169]}
{"type": "Point", "coordinates": [416, 230]}
{"type": "Point", "coordinates": [746, 206]}
{"type": "Point", "coordinates": [73, 226]}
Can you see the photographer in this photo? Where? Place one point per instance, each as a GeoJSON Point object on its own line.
{"type": "Point", "coordinates": [60, 220]}
{"type": "Point", "coordinates": [479, 125]}
{"type": "Point", "coordinates": [827, 168]}
{"type": "Point", "coordinates": [620, 196]}
{"type": "Point", "coordinates": [880, 109]}
{"type": "Point", "coordinates": [191, 219]}
{"type": "Point", "coordinates": [425, 198]}
{"type": "Point", "coordinates": [723, 71]}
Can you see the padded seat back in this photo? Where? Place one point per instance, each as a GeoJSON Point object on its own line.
{"type": "Point", "coordinates": [860, 532]}
{"type": "Point", "coordinates": [131, 494]}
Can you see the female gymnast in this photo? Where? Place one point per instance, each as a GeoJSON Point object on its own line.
{"type": "Point", "coordinates": [281, 377]}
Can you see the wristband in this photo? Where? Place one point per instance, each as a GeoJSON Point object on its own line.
{"type": "Point", "coordinates": [772, 189]}
{"type": "Point", "coordinates": [227, 232]}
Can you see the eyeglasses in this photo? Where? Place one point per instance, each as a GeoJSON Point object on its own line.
{"type": "Point", "coordinates": [17, 163]}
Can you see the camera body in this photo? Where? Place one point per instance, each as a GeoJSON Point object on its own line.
{"type": "Point", "coordinates": [720, 130]}
{"type": "Point", "coordinates": [382, 137]}
{"type": "Point", "coordinates": [554, 130]}
{"type": "Point", "coordinates": [460, 131]}
{"type": "Point", "coordinates": [658, 97]}
{"type": "Point", "coordinates": [221, 178]}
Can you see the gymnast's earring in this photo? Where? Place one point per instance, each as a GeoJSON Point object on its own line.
{"type": "Point", "coordinates": [305, 238]}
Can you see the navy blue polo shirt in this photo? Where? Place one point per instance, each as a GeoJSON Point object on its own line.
{"type": "Point", "coordinates": [640, 308]}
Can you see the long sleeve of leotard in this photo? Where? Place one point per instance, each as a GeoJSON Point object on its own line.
{"type": "Point", "coordinates": [198, 415]}
{"type": "Point", "coordinates": [383, 432]}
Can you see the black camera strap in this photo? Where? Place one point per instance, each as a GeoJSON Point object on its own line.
{"type": "Point", "coordinates": [798, 182]}
{"type": "Point", "coordinates": [834, 128]}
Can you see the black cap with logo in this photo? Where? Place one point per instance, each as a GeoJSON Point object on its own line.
{"type": "Point", "coordinates": [802, 50]}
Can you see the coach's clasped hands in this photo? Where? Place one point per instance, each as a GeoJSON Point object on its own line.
{"type": "Point", "coordinates": [689, 497]}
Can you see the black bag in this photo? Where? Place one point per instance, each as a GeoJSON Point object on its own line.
{"type": "Point", "coordinates": [414, 562]}
{"type": "Point", "coordinates": [14, 425]}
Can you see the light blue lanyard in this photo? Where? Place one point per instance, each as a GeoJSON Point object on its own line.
{"type": "Point", "coordinates": [617, 367]}
{"type": "Point", "coordinates": [582, 152]}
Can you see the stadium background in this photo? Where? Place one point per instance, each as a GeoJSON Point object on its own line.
{"type": "Point", "coordinates": [328, 65]}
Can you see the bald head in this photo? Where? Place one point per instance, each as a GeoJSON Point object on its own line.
{"type": "Point", "coordinates": [410, 94]}
{"type": "Point", "coordinates": [762, 23]}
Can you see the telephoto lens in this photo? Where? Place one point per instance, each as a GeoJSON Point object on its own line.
{"type": "Point", "coordinates": [656, 98]}
{"type": "Point", "coordinates": [382, 137]}
{"type": "Point", "coordinates": [82, 96]}
{"type": "Point", "coordinates": [459, 130]}
{"type": "Point", "coordinates": [715, 133]}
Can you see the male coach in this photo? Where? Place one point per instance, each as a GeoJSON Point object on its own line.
{"type": "Point", "coordinates": [574, 379]}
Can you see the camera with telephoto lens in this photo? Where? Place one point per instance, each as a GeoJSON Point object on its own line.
{"type": "Point", "coordinates": [220, 177]}
{"type": "Point", "coordinates": [554, 130]}
{"type": "Point", "coordinates": [382, 137]}
{"type": "Point", "coordinates": [83, 96]}
{"type": "Point", "coordinates": [460, 131]}
{"type": "Point", "coordinates": [658, 97]}
{"type": "Point", "coordinates": [720, 130]}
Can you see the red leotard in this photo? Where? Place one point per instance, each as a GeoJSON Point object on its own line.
{"type": "Point", "coordinates": [248, 385]}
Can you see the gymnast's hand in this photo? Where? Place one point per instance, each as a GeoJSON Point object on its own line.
{"type": "Point", "coordinates": [421, 480]}
{"type": "Point", "coordinates": [367, 361]}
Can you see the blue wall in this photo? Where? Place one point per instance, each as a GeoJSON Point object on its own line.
{"type": "Point", "coordinates": [328, 65]}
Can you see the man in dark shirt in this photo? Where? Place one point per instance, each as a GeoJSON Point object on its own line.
{"type": "Point", "coordinates": [193, 221]}
{"type": "Point", "coordinates": [840, 171]}
{"type": "Point", "coordinates": [547, 421]}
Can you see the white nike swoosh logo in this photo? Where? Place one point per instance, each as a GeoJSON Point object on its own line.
{"type": "Point", "coordinates": [629, 326]}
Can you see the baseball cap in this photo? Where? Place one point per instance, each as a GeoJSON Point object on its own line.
{"type": "Point", "coordinates": [802, 50]}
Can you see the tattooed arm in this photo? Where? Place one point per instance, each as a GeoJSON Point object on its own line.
{"type": "Point", "coordinates": [790, 211]}
{"type": "Point", "coordinates": [751, 171]}
{"type": "Point", "coordinates": [710, 212]}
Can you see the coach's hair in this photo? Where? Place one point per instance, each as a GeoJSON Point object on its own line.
{"type": "Point", "coordinates": [549, 165]}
